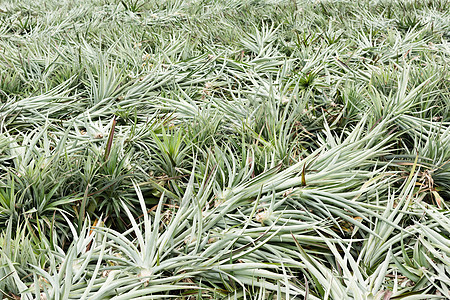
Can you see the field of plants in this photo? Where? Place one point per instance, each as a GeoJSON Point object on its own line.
{"type": "Point", "coordinates": [224, 149]}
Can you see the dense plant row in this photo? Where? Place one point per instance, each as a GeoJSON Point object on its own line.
{"type": "Point", "coordinates": [224, 149]}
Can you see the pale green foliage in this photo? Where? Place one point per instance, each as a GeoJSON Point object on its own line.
{"type": "Point", "coordinates": [234, 149]}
